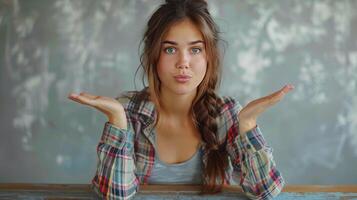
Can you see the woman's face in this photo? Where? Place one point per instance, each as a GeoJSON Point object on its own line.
{"type": "Point", "coordinates": [182, 64]}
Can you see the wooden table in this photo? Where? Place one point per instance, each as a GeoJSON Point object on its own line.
{"type": "Point", "coordinates": [158, 192]}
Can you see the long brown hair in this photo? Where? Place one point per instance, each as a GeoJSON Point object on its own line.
{"type": "Point", "coordinates": [206, 105]}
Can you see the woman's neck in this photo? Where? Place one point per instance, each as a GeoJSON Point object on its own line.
{"type": "Point", "coordinates": [176, 106]}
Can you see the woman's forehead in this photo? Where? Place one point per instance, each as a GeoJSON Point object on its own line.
{"type": "Point", "coordinates": [183, 32]}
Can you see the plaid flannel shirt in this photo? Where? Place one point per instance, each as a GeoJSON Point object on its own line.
{"type": "Point", "coordinates": [126, 156]}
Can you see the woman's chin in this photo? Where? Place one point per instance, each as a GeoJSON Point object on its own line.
{"type": "Point", "coordinates": [184, 90]}
{"type": "Point", "coordinates": [179, 89]}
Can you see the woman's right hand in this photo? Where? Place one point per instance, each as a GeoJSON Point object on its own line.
{"type": "Point", "coordinates": [109, 106]}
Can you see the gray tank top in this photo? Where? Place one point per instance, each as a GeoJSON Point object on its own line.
{"type": "Point", "coordinates": [187, 172]}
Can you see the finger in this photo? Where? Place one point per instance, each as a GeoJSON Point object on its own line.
{"type": "Point", "coordinates": [90, 96]}
{"type": "Point", "coordinates": [287, 88]}
{"type": "Point", "coordinates": [73, 97]}
{"type": "Point", "coordinates": [282, 91]}
{"type": "Point", "coordinates": [278, 95]}
{"type": "Point", "coordinates": [81, 99]}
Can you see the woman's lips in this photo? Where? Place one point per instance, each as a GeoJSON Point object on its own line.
{"type": "Point", "coordinates": [182, 78]}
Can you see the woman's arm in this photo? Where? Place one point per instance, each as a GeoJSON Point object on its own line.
{"type": "Point", "coordinates": [249, 153]}
{"type": "Point", "coordinates": [252, 159]}
{"type": "Point", "coordinates": [115, 177]}
{"type": "Point", "coordinates": [248, 150]}
{"type": "Point", "coordinates": [259, 177]}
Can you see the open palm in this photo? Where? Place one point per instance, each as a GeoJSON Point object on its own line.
{"type": "Point", "coordinates": [256, 107]}
{"type": "Point", "coordinates": [107, 105]}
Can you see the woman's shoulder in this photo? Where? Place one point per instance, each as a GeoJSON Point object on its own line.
{"type": "Point", "coordinates": [126, 96]}
{"type": "Point", "coordinates": [229, 104]}
{"type": "Point", "coordinates": [130, 95]}
{"type": "Point", "coordinates": [228, 119]}
{"type": "Point", "coordinates": [133, 100]}
{"type": "Point", "coordinates": [228, 116]}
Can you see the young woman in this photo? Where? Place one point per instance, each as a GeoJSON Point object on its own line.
{"type": "Point", "coordinates": [177, 130]}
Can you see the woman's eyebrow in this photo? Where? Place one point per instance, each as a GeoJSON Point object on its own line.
{"type": "Point", "coordinates": [196, 42]}
{"type": "Point", "coordinates": [190, 43]}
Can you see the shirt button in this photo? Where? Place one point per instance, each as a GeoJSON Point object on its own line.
{"type": "Point", "coordinates": [248, 146]}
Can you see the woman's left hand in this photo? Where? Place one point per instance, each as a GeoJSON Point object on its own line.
{"type": "Point", "coordinates": [249, 114]}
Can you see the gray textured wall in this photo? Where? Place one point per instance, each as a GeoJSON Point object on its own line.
{"type": "Point", "coordinates": [49, 48]}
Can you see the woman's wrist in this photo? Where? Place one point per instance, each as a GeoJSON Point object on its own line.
{"type": "Point", "coordinates": [118, 121]}
{"type": "Point", "coordinates": [246, 125]}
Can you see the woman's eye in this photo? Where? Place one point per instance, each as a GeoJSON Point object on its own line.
{"type": "Point", "coordinates": [196, 50]}
{"type": "Point", "coordinates": [170, 50]}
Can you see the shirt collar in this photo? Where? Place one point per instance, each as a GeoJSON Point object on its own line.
{"type": "Point", "coordinates": [145, 112]}
{"type": "Point", "coordinates": [143, 107]}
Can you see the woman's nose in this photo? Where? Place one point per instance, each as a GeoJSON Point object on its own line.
{"type": "Point", "coordinates": [183, 60]}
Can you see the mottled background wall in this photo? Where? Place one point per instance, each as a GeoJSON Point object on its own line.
{"type": "Point", "coordinates": [50, 48]}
